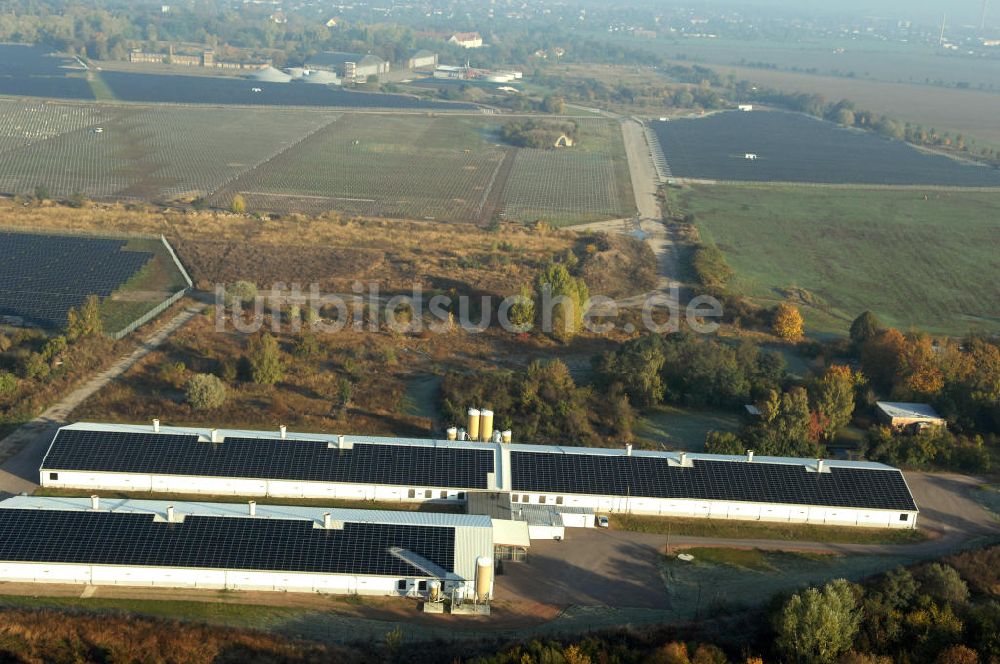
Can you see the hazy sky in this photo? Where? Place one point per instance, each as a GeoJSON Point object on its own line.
{"type": "Point", "coordinates": [961, 11]}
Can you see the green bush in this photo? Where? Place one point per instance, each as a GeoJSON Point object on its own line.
{"type": "Point", "coordinates": [8, 383]}
{"type": "Point", "coordinates": [205, 392]}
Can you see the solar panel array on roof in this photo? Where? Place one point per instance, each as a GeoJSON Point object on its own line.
{"type": "Point", "coordinates": [269, 458]}
{"type": "Point", "coordinates": [42, 276]}
{"type": "Point", "coordinates": [652, 477]}
{"type": "Point", "coordinates": [110, 538]}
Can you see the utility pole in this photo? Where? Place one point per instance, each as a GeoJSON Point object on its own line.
{"type": "Point", "coordinates": [944, 21]}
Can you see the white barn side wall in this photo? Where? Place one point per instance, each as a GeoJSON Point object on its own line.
{"type": "Point", "coordinates": [709, 509]}
{"type": "Point", "coordinates": [220, 486]}
{"type": "Point", "coordinates": [209, 579]}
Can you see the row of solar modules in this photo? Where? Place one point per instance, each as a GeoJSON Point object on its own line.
{"type": "Point", "coordinates": [470, 467]}
{"type": "Point", "coordinates": [209, 542]}
{"type": "Point", "coordinates": [43, 276]}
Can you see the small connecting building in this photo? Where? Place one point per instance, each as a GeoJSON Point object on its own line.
{"type": "Point", "coordinates": [571, 482]}
{"type": "Point", "coordinates": [244, 546]}
{"type": "Point", "coordinates": [912, 417]}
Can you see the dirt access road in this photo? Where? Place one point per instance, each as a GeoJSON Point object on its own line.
{"type": "Point", "coordinates": [649, 224]}
{"type": "Point", "coordinates": [24, 449]}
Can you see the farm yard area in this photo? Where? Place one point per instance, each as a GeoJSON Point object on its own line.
{"type": "Point", "coordinates": [790, 147]}
{"type": "Point", "coordinates": [449, 168]}
{"type": "Point", "coordinates": [915, 258]}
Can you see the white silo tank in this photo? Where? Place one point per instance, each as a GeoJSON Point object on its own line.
{"type": "Point", "coordinates": [434, 590]}
{"type": "Point", "coordinates": [485, 425]}
{"type": "Point", "coordinates": [474, 424]}
{"type": "Point", "coordinates": [484, 578]}
{"type": "Point", "coordinates": [452, 433]}
{"type": "Point", "coordinates": [507, 435]}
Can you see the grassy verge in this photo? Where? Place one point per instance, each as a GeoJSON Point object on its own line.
{"type": "Point", "coordinates": [789, 532]}
{"type": "Point", "coordinates": [232, 614]}
{"type": "Point", "coordinates": [752, 559]}
{"type": "Point", "coordinates": [262, 500]}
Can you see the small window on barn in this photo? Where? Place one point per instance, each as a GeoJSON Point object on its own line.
{"type": "Point", "coordinates": [904, 517]}
{"type": "Point", "coordinates": [541, 500]}
{"type": "Point", "coordinates": [559, 500]}
{"type": "Point", "coordinates": [461, 495]}
{"type": "Point", "coordinates": [401, 584]}
{"type": "Point", "coordinates": [412, 493]}
{"type": "Point", "coordinates": [444, 495]}
{"type": "Point", "coordinates": [428, 494]}
{"type": "Point", "coordinates": [53, 476]}
{"type": "Point", "coordinates": [422, 586]}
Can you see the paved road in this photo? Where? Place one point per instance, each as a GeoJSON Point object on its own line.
{"type": "Point", "coordinates": [24, 449]}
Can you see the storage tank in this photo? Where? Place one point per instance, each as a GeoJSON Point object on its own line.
{"type": "Point", "coordinates": [474, 424]}
{"type": "Point", "coordinates": [484, 578]}
{"type": "Point", "coordinates": [452, 433]}
{"type": "Point", "coordinates": [434, 590]}
{"type": "Point", "coordinates": [507, 435]}
{"type": "Point", "coordinates": [486, 425]}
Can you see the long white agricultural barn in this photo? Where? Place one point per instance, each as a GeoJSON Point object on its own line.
{"type": "Point", "coordinates": [241, 547]}
{"type": "Point", "coordinates": [283, 464]}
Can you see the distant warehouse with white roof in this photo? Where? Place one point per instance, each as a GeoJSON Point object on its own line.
{"type": "Point", "coordinates": [243, 547]}
{"type": "Point", "coordinates": [282, 464]}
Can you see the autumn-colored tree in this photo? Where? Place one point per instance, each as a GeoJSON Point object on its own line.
{"type": "Point", "coordinates": [674, 652]}
{"type": "Point", "coordinates": [788, 322]}
{"type": "Point", "coordinates": [957, 654]}
{"type": "Point", "coordinates": [919, 372]}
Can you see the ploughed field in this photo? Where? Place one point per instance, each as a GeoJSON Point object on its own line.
{"type": "Point", "coordinates": [283, 160]}
{"type": "Point", "coordinates": [791, 147]}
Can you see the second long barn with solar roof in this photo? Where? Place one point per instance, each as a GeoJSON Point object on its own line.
{"type": "Point", "coordinates": [289, 465]}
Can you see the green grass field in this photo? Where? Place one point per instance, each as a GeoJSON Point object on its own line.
{"type": "Point", "coordinates": [683, 428]}
{"type": "Point", "coordinates": [920, 258]}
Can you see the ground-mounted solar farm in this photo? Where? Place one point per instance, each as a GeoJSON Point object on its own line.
{"type": "Point", "coordinates": [448, 168]}
{"type": "Point", "coordinates": [44, 276]}
{"type": "Point", "coordinates": [32, 71]}
{"type": "Point", "coordinates": [117, 152]}
{"type": "Point", "coordinates": [445, 168]}
{"type": "Point", "coordinates": [775, 146]}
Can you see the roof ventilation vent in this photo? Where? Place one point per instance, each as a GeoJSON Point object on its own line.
{"type": "Point", "coordinates": [749, 456]}
{"type": "Point", "coordinates": [95, 502]}
{"type": "Point", "coordinates": [156, 426]}
{"type": "Point", "coordinates": [283, 430]}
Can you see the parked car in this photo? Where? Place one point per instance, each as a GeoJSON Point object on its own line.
{"type": "Point", "coordinates": [602, 522]}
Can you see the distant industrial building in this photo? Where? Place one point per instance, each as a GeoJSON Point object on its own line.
{"type": "Point", "coordinates": [244, 546]}
{"type": "Point", "coordinates": [205, 58]}
{"type": "Point", "coordinates": [422, 59]}
{"type": "Point", "coordinates": [908, 416]}
{"type": "Point", "coordinates": [351, 67]}
{"type": "Point", "coordinates": [466, 39]}
{"type": "Point", "coordinates": [561, 479]}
